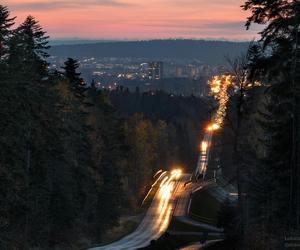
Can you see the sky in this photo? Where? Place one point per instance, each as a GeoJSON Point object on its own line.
{"type": "Point", "coordinates": [137, 19]}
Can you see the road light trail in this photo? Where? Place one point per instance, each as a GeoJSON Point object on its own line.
{"type": "Point", "coordinates": [204, 153]}
{"type": "Point", "coordinates": [219, 89]}
{"type": "Point", "coordinates": [156, 220]}
{"type": "Point", "coordinates": [159, 214]}
{"type": "Point", "coordinates": [162, 174]}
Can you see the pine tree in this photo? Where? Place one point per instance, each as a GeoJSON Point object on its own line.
{"type": "Point", "coordinates": [71, 73]}
{"type": "Point", "coordinates": [77, 83]}
{"type": "Point", "coordinates": [275, 64]}
{"type": "Point", "coordinates": [52, 193]}
{"type": "Point", "coordinates": [6, 23]}
{"type": "Point", "coordinates": [29, 125]}
{"type": "Point", "coordinates": [28, 50]}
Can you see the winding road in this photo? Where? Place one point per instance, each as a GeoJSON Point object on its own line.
{"type": "Point", "coordinates": [157, 218]}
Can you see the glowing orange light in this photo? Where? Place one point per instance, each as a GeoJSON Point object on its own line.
{"type": "Point", "coordinates": [164, 181]}
{"type": "Point", "coordinates": [219, 86]}
{"type": "Point", "coordinates": [213, 127]}
{"type": "Point", "coordinates": [157, 173]}
{"type": "Point", "coordinates": [176, 173]}
{"type": "Point", "coordinates": [204, 146]}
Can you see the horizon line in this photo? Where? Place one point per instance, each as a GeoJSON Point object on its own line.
{"type": "Point", "coordinates": [77, 39]}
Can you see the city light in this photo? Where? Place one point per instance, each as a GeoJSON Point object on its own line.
{"type": "Point", "coordinates": [219, 90]}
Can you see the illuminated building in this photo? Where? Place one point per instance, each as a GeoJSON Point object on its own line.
{"type": "Point", "coordinates": [155, 70]}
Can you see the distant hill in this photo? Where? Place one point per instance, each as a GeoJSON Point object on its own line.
{"type": "Point", "coordinates": [55, 42]}
{"type": "Point", "coordinates": [210, 52]}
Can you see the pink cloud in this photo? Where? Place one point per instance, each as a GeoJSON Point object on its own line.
{"type": "Point", "coordinates": [136, 18]}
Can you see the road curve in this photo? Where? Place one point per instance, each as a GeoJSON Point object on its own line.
{"type": "Point", "coordinates": [156, 220]}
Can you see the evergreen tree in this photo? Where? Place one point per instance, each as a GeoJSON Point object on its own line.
{"type": "Point", "coordinates": [28, 50]}
{"type": "Point", "coordinates": [70, 72]}
{"type": "Point", "coordinates": [6, 22]}
{"type": "Point", "coordinates": [52, 192]}
{"type": "Point", "coordinates": [275, 63]}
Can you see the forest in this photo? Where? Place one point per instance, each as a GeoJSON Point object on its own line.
{"type": "Point", "coordinates": [259, 144]}
{"type": "Point", "coordinates": [74, 159]}
{"type": "Point", "coordinates": [209, 52]}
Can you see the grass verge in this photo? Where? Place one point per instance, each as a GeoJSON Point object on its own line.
{"type": "Point", "coordinates": [170, 242]}
{"type": "Point", "coordinates": [204, 207]}
{"type": "Point", "coordinates": [119, 232]}
{"type": "Point", "coordinates": [177, 225]}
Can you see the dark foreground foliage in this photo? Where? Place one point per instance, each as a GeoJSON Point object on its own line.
{"type": "Point", "coordinates": [70, 163]}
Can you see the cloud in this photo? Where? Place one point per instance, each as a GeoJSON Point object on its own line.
{"type": "Point", "coordinates": [136, 18]}
{"type": "Point", "coordinates": [226, 25]}
{"type": "Point", "coordinates": [203, 28]}
{"type": "Point", "coordinates": [203, 3]}
{"type": "Point", "coordinates": [196, 24]}
{"type": "Point", "coordinates": [63, 4]}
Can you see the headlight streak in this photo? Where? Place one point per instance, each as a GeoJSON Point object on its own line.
{"type": "Point", "coordinates": [164, 208]}
{"type": "Point", "coordinates": [157, 180]}
{"type": "Point", "coordinates": [219, 90]}
{"type": "Point", "coordinates": [219, 86]}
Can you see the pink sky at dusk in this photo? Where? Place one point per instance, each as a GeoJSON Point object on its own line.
{"type": "Point", "coordinates": [137, 19]}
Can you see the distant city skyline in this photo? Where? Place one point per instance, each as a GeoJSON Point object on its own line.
{"type": "Point", "coordinates": [136, 19]}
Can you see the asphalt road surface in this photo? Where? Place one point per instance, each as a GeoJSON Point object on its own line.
{"type": "Point", "coordinates": [157, 218]}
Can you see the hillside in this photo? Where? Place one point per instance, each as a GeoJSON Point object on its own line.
{"type": "Point", "coordinates": [210, 52]}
